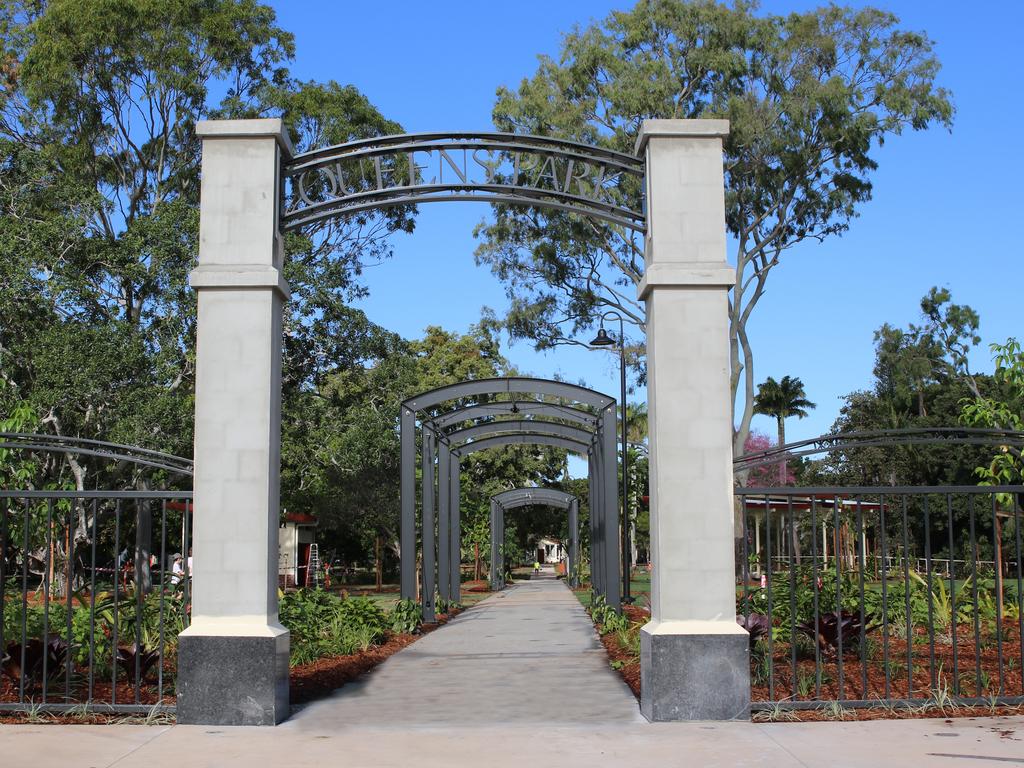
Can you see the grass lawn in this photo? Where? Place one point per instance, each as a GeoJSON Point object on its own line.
{"type": "Point", "coordinates": [387, 600]}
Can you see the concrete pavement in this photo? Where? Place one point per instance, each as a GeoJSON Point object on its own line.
{"type": "Point", "coordinates": [963, 743]}
{"type": "Point", "coordinates": [526, 655]}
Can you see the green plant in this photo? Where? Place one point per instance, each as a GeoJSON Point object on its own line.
{"type": "Point", "coordinates": [940, 698]}
{"type": "Point", "coordinates": [774, 714]}
{"type": "Point", "coordinates": [361, 613]}
{"type": "Point", "coordinates": [832, 628]}
{"type": "Point", "coordinates": [406, 617]}
{"type": "Point", "coordinates": [760, 665]}
{"type": "Point", "coordinates": [805, 684]}
{"type": "Point", "coordinates": [834, 710]}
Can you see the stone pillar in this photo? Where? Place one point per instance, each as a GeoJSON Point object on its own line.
{"type": "Point", "coordinates": [233, 658]}
{"type": "Point", "coordinates": [694, 657]}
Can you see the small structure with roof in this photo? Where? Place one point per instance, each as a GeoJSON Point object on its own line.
{"type": "Point", "coordinates": [296, 542]}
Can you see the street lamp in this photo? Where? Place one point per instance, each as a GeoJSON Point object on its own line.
{"type": "Point", "coordinates": [604, 340]}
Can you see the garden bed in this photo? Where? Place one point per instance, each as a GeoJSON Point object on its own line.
{"type": "Point", "coordinates": [322, 677]}
{"type": "Point", "coordinates": [620, 639]}
{"type": "Point", "coordinates": [307, 682]}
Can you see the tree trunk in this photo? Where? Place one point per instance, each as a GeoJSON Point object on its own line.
{"type": "Point", "coordinates": [476, 561]}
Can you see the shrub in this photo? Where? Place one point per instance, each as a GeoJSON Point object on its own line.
{"type": "Point", "coordinates": [406, 617]}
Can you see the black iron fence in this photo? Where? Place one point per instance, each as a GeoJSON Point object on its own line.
{"type": "Point", "coordinates": [94, 589]}
{"type": "Point", "coordinates": [893, 596]}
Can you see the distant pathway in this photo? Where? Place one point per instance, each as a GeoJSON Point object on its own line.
{"type": "Point", "coordinates": [527, 655]}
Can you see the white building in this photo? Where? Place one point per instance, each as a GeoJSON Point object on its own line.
{"type": "Point", "coordinates": [295, 539]}
{"type": "Point", "coordinates": [550, 551]}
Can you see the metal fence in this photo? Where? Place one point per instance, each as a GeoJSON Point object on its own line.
{"type": "Point", "coordinates": [92, 598]}
{"type": "Point", "coordinates": [896, 596]}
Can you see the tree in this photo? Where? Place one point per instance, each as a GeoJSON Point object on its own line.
{"type": "Point", "coordinates": [909, 360]}
{"type": "Point", "coordinates": [765, 477]}
{"type": "Point", "coordinates": [1004, 410]}
{"type": "Point", "coordinates": [780, 400]}
{"type": "Point", "coordinates": [99, 193]}
{"type": "Point", "coordinates": [809, 95]}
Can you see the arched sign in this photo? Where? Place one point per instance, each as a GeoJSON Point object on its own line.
{"type": "Point", "coordinates": [486, 167]}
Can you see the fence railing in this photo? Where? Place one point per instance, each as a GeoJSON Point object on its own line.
{"type": "Point", "coordinates": [94, 589]}
{"type": "Point", "coordinates": [882, 595]}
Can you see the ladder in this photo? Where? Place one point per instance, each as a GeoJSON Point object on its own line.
{"type": "Point", "coordinates": [313, 568]}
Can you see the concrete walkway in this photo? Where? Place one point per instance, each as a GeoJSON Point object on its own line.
{"type": "Point", "coordinates": [518, 680]}
{"type": "Point", "coordinates": [527, 655]}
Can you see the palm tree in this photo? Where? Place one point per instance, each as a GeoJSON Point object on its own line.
{"type": "Point", "coordinates": [782, 399]}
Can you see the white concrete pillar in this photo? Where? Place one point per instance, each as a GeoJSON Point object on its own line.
{"type": "Point", "coordinates": [233, 658]}
{"type": "Point", "coordinates": [694, 656]}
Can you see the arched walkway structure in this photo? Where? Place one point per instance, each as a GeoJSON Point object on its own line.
{"type": "Point", "coordinates": [525, 497]}
{"type": "Point", "coordinates": [603, 518]}
{"type": "Point", "coordinates": [233, 658]}
{"type": "Point", "coordinates": [590, 433]}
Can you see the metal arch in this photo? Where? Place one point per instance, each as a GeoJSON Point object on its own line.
{"type": "Point", "coordinates": [598, 446]}
{"type": "Point", "coordinates": [520, 426]}
{"type": "Point", "coordinates": [533, 196]}
{"type": "Point", "coordinates": [22, 441]}
{"type": "Point", "coordinates": [573, 446]}
{"type": "Point", "coordinates": [508, 385]}
{"type": "Point", "coordinates": [379, 188]}
{"type": "Point", "coordinates": [504, 407]}
{"type": "Point", "coordinates": [404, 142]}
{"type": "Point", "coordinates": [890, 438]}
{"type": "Point", "coordinates": [518, 497]}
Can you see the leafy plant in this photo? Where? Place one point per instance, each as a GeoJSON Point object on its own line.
{"type": "Point", "coordinates": [361, 613]}
{"type": "Point", "coordinates": [757, 624]}
{"type": "Point", "coordinates": [406, 617]}
{"type": "Point", "coordinates": [52, 655]}
{"type": "Point", "coordinates": [805, 684]}
{"type": "Point", "coordinates": [833, 627]}
{"type": "Point", "coordinates": [144, 657]}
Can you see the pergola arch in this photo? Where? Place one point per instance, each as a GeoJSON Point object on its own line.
{"type": "Point", "coordinates": [521, 497]}
{"type": "Point", "coordinates": [519, 426]}
{"type": "Point", "coordinates": [511, 407]}
{"type": "Point", "coordinates": [584, 425]}
{"type": "Point", "coordinates": [509, 385]}
{"type": "Point", "coordinates": [602, 492]}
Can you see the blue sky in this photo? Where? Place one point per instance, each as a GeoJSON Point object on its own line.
{"type": "Point", "coordinates": [942, 214]}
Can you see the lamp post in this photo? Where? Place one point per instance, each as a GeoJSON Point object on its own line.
{"type": "Point", "coordinates": [604, 340]}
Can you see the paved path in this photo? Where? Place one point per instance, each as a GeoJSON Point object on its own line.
{"type": "Point", "coordinates": [527, 655]}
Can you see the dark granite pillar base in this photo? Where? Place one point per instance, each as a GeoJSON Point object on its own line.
{"type": "Point", "coordinates": [694, 676]}
{"type": "Point", "coordinates": [225, 680]}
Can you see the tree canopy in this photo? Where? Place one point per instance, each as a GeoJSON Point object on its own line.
{"type": "Point", "coordinates": [810, 97]}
